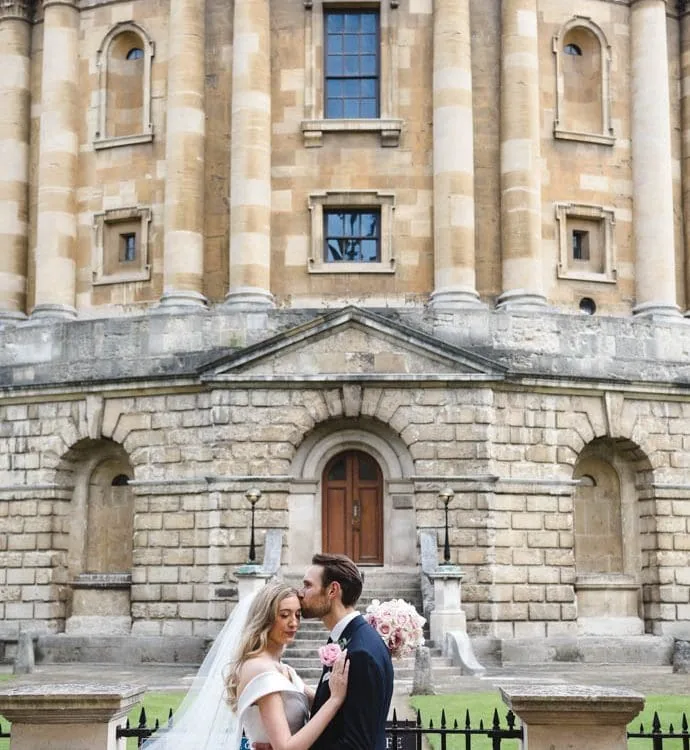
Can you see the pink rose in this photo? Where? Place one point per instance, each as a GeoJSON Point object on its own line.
{"type": "Point", "coordinates": [329, 654]}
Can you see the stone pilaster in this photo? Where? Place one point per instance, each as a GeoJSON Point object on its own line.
{"type": "Point", "coordinates": [454, 261]}
{"type": "Point", "coordinates": [15, 103]}
{"type": "Point", "coordinates": [684, 10]}
{"type": "Point", "coordinates": [653, 229]}
{"type": "Point", "coordinates": [56, 221]}
{"type": "Point", "coordinates": [520, 157]}
{"type": "Point", "coordinates": [184, 153]}
{"type": "Point", "coordinates": [250, 158]}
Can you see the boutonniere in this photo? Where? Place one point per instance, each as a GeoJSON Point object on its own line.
{"type": "Point", "coordinates": [330, 653]}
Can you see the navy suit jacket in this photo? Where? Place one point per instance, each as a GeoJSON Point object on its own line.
{"type": "Point", "coordinates": [360, 724]}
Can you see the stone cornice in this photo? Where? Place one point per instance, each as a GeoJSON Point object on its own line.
{"type": "Point", "coordinates": [68, 3]}
{"type": "Point", "coordinates": [22, 9]}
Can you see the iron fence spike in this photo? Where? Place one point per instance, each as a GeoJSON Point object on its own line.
{"type": "Point", "coordinates": [684, 724]}
{"type": "Point", "coordinates": [395, 716]}
{"type": "Point", "coordinates": [467, 718]}
{"type": "Point", "coordinates": [142, 717]}
{"type": "Point", "coordinates": [656, 723]}
{"type": "Point", "coordinates": [496, 722]}
{"type": "Point", "coordinates": [443, 718]}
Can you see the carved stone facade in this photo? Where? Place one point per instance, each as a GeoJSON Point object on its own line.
{"type": "Point", "coordinates": [341, 253]}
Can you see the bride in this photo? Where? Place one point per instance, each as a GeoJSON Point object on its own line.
{"type": "Point", "coordinates": [242, 684]}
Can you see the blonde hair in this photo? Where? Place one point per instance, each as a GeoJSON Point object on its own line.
{"type": "Point", "coordinates": [260, 619]}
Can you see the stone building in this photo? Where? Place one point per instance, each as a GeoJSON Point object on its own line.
{"type": "Point", "coordinates": [349, 254]}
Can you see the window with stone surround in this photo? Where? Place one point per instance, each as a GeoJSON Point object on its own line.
{"type": "Point", "coordinates": [350, 86]}
{"type": "Point", "coordinates": [121, 246]}
{"type": "Point", "coordinates": [586, 242]}
{"type": "Point", "coordinates": [583, 70]}
{"type": "Point", "coordinates": [351, 232]}
{"type": "Point", "coordinates": [125, 60]}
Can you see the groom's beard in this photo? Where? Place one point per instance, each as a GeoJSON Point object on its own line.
{"type": "Point", "coordinates": [316, 609]}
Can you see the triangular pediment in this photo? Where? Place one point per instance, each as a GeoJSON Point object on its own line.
{"type": "Point", "coordinates": [352, 344]}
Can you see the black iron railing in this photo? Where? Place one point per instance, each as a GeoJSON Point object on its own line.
{"type": "Point", "coordinates": [657, 735]}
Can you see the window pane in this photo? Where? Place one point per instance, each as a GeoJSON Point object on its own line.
{"type": "Point", "coordinates": [368, 65]}
{"type": "Point", "coordinates": [334, 44]}
{"type": "Point", "coordinates": [367, 469]}
{"type": "Point", "coordinates": [351, 44]}
{"type": "Point", "coordinates": [352, 22]}
{"type": "Point", "coordinates": [337, 471]}
{"type": "Point", "coordinates": [368, 44]}
{"type": "Point", "coordinates": [351, 88]}
{"type": "Point", "coordinates": [370, 225]}
{"type": "Point", "coordinates": [334, 65]}
{"type": "Point", "coordinates": [334, 22]}
{"type": "Point", "coordinates": [351, 65]}
{"type": "Point", "coordinates": [334, 224]}
{"type": "Point", "coordinates": [368, 88]}
{"type": "Point", "coordinates": [370, 23]}
{"type": "Point", "coordinates": [334, 108]}
{"type": "Point", "coordinates": [368, 108]}
{"type": "Point", "coordinates": [352, 236]}
{"type": "Point", "coordinates": [351, 108]}
{"type": "Point", "coordinates": [369, 250]}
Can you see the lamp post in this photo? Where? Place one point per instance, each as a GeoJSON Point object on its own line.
{"type": "Point", "coordinates": [253, 496]}
{"type": "Point", "coordinates": [446, 495]}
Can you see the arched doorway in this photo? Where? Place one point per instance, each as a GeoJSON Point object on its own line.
{"type": "Point", "coordinates": [352, 497]}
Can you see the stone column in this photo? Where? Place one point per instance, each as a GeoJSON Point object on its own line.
{"type": "Point", "coordinates": [453, 158]}
{"type": "Point", "coordinates": [520, 157]}
{"type": "Point", "coordinates": [184, 155]}
{"type": "Point", "coordinates": [655, 267]}
{"type": "Point", "coordinates": [15, 103]}
{"type": "Point", "coordinates": [250, 158]}
{"type": "Point", "coordinates": [56, 220]}
{"type": "Point", "coordinates": [573, 716]}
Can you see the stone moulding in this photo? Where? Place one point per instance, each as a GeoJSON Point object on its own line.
{"type": "Point", "coordinates": [21, 9]}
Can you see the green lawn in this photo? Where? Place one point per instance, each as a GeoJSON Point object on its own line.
{"type": "Point", "coordinates": [482, 705]}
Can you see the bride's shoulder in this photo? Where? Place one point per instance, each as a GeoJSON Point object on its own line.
{"type": "Point", "coordinates": [255, 666]}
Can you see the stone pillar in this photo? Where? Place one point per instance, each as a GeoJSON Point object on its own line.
{"type": "Point", "coordinates": [655, 267]}
{"type": "Point", "coordinates": [15, 103]}
{"type": "Point", "coordinates": [520, 157]}
{"type": "Point", "coordinates": [184, 154]}
{"type": "Point", "coordinates": [554, 715]}
{"type": "Point", "coordinates": [454, 260]}
{"type": "Point", "coordinates": [447, 614]}
{"type": "Point", "coordinates": [250, 579]}
{"type": "Point", "coordinates": [250, 158]}
{"type": "Point", "coordinates": [67, 717]}
{"type": "Point", "coordinates": [56, 220]}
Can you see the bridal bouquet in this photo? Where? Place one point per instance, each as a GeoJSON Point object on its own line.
{"type": "Point", "coordinates": [398, 623]}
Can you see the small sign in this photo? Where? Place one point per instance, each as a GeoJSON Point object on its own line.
{"type": "Point", "coordinates": [404, 740]}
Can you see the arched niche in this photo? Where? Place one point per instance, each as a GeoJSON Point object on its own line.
{"type": "Point", "coordinates": [305, 533]}
{"type": "Point", "coordinates": [125, 60]}
{"type": "Point", "coordinates": [582, 57]}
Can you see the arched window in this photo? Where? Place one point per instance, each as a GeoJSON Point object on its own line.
{"type": "Point", "coordinates": [124, 61]}
{"type": "Point", "coordinates": [583, 60]}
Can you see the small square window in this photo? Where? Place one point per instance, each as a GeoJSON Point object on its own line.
{"type": "Point", "coordinates": [351, 232]}
{"type": "Point", "coordinates": [586, 242]}
{"type": "Point", "coordinates": [352, 236]}
{"type": "Point", "coordinates": [121, 246]}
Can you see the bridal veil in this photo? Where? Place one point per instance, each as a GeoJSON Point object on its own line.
{"type": "Point", "coordinates": [204, 721]}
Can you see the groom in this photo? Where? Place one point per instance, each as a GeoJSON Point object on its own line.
{"type": "Point", "coordinates": [331, 588]}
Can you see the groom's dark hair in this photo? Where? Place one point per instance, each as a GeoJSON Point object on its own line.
{"type": "Point", "coordinates": [342, 570]}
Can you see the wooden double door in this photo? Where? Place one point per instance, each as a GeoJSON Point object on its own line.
{"type": "Point", "coordinates": [352, 498]}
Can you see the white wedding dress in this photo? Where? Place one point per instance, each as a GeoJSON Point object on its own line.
{"type": "Point", "coordinates": [292, 693]}
{"type": "Point", "coordinates": [204, 720]}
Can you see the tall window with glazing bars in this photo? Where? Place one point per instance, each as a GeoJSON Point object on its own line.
{"type": "Point", "coordinates": [352, 63]}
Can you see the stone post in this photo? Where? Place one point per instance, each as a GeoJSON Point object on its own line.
{"type": "Point", "coordinates": [573, 716]}
{"type": "Point", "coordinates": [520, 157]}
{"type": "Point", "coordinates": [67, 717]}
{"type": "Point", "coordinates": [653, 227]}
{"type": "Point", "coordinates": [15, 103]}
{"type": "Point", "coordinates": [250, 158]}
{"type": "Point", "coordinates": [454, 257]}
{"type": "Point", "coordinates": [250, 579]}
{"type": "Point", "coordinates": [58, 152]}
{"type": "Point", "coordinates": [447, 614]}
{"type": "Point", "coordinates": [184, 154]}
